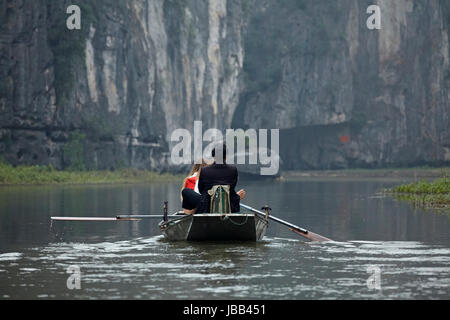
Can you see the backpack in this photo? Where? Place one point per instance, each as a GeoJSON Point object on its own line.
{"type": "Point", "coordinates": [220, 199]}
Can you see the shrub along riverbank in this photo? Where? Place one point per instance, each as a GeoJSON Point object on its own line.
{"type": "Point", "coordinates": [428, 195]}
{"type": "Point", "coordinates": [39, 175]}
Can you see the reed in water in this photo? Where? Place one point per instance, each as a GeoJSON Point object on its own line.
{"type": "Point", "coordinates": [424, 194]}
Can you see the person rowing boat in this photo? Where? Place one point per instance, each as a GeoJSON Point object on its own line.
{"type": "Point", "coordinates": [219, 174]}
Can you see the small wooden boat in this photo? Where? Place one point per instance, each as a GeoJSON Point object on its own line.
{"type": "Point", "coordinates": [211, 226]}
{"type": "Point", "coordinates": [215, 227]}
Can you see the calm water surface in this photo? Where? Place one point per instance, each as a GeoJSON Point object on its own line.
{"type": "Point", "coordinates": [131, 260]}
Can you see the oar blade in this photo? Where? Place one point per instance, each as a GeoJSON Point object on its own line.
{"type": "Point", "coordinates": [318, 237]}
{"type": "Point", "coordinates": [311, 236]}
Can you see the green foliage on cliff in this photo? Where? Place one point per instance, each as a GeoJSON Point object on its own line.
{"type": "Point", "coordinates": [446, 11]}
{"type": "Point", "coordinates": [262, 65]}
{"type": "Point", "coordinates": [429, 195]}
{"type": "Point", "coordinates": [180, 4]}
{"type": "Point", "coordinates": [73, 152]}
{"type": "Point", "coordinates": [358, 120]}
{"type": "Point", "coordinates": [246, 6]}
{"type": "Point", "coordinates": [68, 46]}
{"type": "Point", "coordinates": [3, 87]}
{"type": "Point", "coordinates": [174, 16]}
{"type": "Point", "coordinates": [268, 42]}
{"type": "Point", "coordinates": [99, 128]}
{"type": "Point", "coordinates": [294, 4]}
{"type": "Point", "coordinates": [39, 175]}
{"type": "Point", "coordinates": [6, 139]}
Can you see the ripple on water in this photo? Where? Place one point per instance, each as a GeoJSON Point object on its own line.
{"type": "Point", "coordinates": [12, 256]}
{"type": "Point", "coordinates": [277, 268]}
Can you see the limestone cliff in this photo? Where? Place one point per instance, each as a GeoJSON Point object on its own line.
{"type": "Point", "coordinates": [346, 95]}
{"type": "Point", "coordinates": [136, 71]}
{"type": "Point", "coordinates": [110, 95]}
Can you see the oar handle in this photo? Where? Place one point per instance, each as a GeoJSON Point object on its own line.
{"type": "Point", "coordinates": [287, 224]}
{"type": "Point", "coordinates": [139, 216]}
{"type": "Point", "coordinates": [300, 231]}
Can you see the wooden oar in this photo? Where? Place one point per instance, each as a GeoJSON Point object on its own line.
{"type": "Point", "coordinates": [300, 231]}
{"type": "Point", "coordinates": [117, 218]}
{"type": "Point", "coordinates": [175, 217]}
{"type": "Point", "coordinates": [92, 219]}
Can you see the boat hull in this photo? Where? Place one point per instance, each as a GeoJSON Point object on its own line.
{"type": "Point", "coordinates": [215, 227]}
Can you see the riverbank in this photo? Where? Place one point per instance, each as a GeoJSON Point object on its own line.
{"type": "Point", "coordinates": [408, 173]}
{"type": "Point", "coordinates": [41, 175]}
{"type": "Point", "coordinates": [427, 195]}
{"type": "Point", "coordinates": [47, 175]}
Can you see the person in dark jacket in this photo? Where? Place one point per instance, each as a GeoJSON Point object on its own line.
{"type": "Point", "coordinates": [219, 173]}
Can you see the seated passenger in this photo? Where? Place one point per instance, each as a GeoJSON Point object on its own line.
{"type": "Point", "coordinates": [190, 196]}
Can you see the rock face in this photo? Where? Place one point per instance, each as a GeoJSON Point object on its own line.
{"type": "Point", "coordinates": [348, 96]}
{"type": "Point", "coordinates": [137, 70]}
{"type": "Point", "coordinates": [111, 94]}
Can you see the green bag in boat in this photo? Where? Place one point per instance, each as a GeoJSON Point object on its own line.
{"type": "Point", "coordinates": [220, 199]}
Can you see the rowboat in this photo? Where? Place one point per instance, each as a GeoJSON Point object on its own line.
{"type": "Point", "coordinates": [250, 226]}
{"type": "Point", "coordinates": [215, 227]}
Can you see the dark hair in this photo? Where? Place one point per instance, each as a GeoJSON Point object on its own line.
{"type": "Point", "coordinates": [224, 150]}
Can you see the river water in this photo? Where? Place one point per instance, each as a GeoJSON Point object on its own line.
{"type": "Point", "coordinates": [382, 248]}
